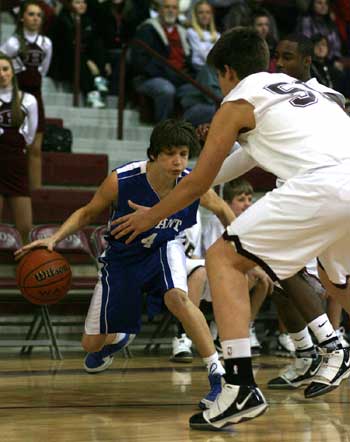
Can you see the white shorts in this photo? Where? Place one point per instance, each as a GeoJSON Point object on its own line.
{"type": "Point", "coordinates": [308, 217]}
{"type": "Point", "coordinates": [192, 264]}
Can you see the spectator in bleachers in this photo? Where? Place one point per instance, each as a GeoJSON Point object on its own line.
{"type": "Point", "coordinates": [341, 9]}
{"type": "Point", "coordinates": [322, 68]}
{"type": "Point", "coordinates": [241, 13]}
{"type": "Point", "coordinates": [199, 108]}
{"type": "Point", "coordinates": [202, 35]}
{"type": "Point", "coordinates": [31, 53]}
{"type": "Point", "coordinates": [92, 61]}
{"type": "Point", "coordinates": [262, 24]}
{"type": "Point", "coordinates": [18, 123]}
{"type": "Point", "coordinates": [116, 22]}
{"type": "Point", "coordinates": [155, 79]}
{"type": "Point", "coordinates": [113, 29]}
{"type": "Point", "coordinates": [285, 13]}
{"type": "Point", "coordinates": [318, 20]}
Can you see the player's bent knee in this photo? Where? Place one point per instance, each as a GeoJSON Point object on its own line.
{"type": "Point", "coordinates": [176, 301]}
{"type": "Point", "coordinates": [92, 343]}
{"type": "Point", "coordinates": [223, 253]}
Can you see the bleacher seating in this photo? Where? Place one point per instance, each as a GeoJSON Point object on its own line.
{"type": "Point", "coordinates": [53, 204]}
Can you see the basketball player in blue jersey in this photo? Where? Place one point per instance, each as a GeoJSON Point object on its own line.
{"type": "Point", "coordinates": [286, 127]}
{"type": "Point", "coordinates": [154, 263]}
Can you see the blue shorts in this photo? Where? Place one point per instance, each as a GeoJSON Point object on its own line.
{"type": "Point", "coordinates": [116, 305]}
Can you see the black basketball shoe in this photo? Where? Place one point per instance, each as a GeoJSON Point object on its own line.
{"type": "Point", "coordinates": [299, 373]}
{"type": "Point", "coordinates": [234, 404]}
{"type": "Point", "coordinates": [334, 368]}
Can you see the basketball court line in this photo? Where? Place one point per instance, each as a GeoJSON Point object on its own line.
{"type": "Point", "coordinates": [79, 371]}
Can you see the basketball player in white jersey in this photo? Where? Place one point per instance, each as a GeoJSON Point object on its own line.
{"type": "Point", "coordinates": [293, 57]}
{"type": "Point", "coordinates": [286, 128]}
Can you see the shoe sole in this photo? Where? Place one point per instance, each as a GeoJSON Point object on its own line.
{"type": "Point", "coordinates": [285, 386]}
{"type": "Point", "coordinates": [99, 369]}
{"type": "Point", "coordinates": [244, 416]}
{"type": "Point", "coordinates": [186, 359]}
{"type": "Point", "coordinates": [282, 354]}
{"type": "Point", "coordinates": [329, 388]}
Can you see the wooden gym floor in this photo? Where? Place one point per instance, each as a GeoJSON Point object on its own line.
{"type": "Point", "coordinates": [149, 399]}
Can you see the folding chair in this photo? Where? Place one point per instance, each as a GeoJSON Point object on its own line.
{"type": "Point", "coordinates": [10, 241]}
{"type": "Point", "coordinates": [77, 251]}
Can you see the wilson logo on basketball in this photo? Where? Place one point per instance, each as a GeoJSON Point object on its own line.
{"type": "Point", "coordinates": [49, 273]}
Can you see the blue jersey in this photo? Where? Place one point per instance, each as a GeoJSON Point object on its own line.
{"type": "Point", "coordinates": [133, 185]}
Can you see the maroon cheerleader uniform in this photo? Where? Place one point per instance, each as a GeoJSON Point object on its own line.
{"type": "Point", "coordinates": [13, 158]}
{"type": "Point", "coordinates": [30, 79]}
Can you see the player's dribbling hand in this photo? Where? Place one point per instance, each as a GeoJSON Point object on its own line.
{"type": "Point", "coordinates": [132, 224]}
{"type": "Point", "coordinates": [202, 131]}
{"type": "Point", "coordinates": [48, 243]}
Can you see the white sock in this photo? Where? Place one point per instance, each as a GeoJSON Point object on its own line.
{"type": "Point", "coordinates": [118, 337]}
{"type": "Point", "coordinates": [236, 348]}
{"type": "Point", "coordinates": [302, 339]}
{"type": "Point", "coordinates": [213, 364]}
{"type": "Point", "coordinates": [322, 329]}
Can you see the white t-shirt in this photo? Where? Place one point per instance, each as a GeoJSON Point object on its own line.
{"type": "Point", "coordinates": [297, 128]}
{"type": "Point", "coordinates": [200, 48]}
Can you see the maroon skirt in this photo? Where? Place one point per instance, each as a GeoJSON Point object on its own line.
{"type": "Point", "coordinates": [14, 175]}
{"type": "Point", "coordinates": [14, 179]}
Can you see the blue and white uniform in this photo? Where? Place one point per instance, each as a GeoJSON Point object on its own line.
{"type": "Point", "coordinates": [154, 263]}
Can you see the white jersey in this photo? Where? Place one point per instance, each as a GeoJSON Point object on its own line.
{"type": "Point", "coordinates": [297, 127]}
{"type": "Point", "coordinates": [192, 239]}
{"type": "Point", "coordinates": [29, 107]}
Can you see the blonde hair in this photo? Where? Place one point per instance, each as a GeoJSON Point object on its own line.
{"type": "Point", "coordinates": [197, 27]}
{"type": "Point", "coordinates": [16, 100]}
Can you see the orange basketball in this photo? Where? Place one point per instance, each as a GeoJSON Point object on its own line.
{"type": "Point", "coordinates": [43, 277]}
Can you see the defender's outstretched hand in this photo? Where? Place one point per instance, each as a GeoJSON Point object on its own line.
{"type": "Point", "coordinates": [133, 223]}
{"type": "Point", "coordinates": [49, 243]}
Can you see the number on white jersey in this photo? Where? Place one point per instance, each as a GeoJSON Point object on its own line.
{"type": "Point", "coordinates": [148, 241]}
{"type": "Point", "coordinates": [303, 99]}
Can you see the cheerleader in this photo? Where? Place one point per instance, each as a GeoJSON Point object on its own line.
{"type": "Point", "coordinates": [18, 124]}
{"type": "Point", "coordinates": [31, 54]}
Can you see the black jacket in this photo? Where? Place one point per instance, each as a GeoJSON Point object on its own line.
{"type": "Point", "coordinates": [145, 66]}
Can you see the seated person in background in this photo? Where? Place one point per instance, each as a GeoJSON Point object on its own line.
{"type": "Point", "coordinates": [92, 62]}
{"type": "Point", "coordinates": [116, 23]}
{"type": "Point", "coordinates": [318, 20]}
{"type": "Point", "coordinates": [202, 35]}
{"type": "Point", "coordinates": [155, 79]}
{"type": "Point", "coordinates": [238, 194]}
{"type": "Point", "coordinates": [322, 68]}
{"type": "Point", "coordinates": [198, 107]}
{"type": "Point", "coordinates": [262, 24]}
